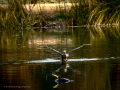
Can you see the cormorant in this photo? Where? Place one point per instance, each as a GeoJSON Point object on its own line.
{"type": "Point", "coordinates": [61, 80]}
{"type": "Point", "coordinates": [66, 55]}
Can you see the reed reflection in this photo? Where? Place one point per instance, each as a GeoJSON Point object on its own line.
{"type": "Point", "coordinates": [60, 80]}
{"type": "Point", "coordinates": [104, 32]}
{"type": "Point", "coordinates": [65, 66]}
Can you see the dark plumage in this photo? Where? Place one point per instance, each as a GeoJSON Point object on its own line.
{"type": "Point", "coordinates": [61, 80]}
{"type": "Point", "coordinates": [66, 55]}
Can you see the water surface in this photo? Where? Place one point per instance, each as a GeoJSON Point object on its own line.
{"type": "Point", "coordinates": [26, 62]}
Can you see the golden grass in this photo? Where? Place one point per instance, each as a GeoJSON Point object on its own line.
{"type": "Point", "coordinates": [47, 7]}
{"type": "Point", "coordinates": [39, 15]}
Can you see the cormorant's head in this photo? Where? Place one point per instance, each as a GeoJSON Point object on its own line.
{"type": "Point", "coordinates": [64, 51]}
{"type": "Point", "coordinates": [58, 76]}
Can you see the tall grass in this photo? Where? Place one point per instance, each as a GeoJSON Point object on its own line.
{"type": "Point", "coordinates": [14, 15]}
{"type": "Point", "coordinates": [106, 13]}
{"type": "Point", "coordinates": [76, 15]}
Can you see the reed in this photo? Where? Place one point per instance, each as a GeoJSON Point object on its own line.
{"type": "Point", "coordinates": [76, 15]}
{"type": "Point", "coordinates": [106, 13]}
{"type": "Point", "coordinates": [15, 15]}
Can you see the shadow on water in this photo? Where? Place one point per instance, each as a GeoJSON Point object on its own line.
{"type": "Point", "coordinates": [26, 62]}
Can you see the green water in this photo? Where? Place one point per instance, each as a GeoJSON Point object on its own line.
{"type": "Point", "coordinates": [26, 63]}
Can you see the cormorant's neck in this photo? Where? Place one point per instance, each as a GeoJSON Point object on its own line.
{"type": "Point", "coordinates": [64, 53]}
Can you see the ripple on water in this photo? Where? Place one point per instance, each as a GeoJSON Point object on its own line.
{"type": "Point", "coordinates": [82, 59]}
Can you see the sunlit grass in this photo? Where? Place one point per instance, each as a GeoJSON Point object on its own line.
{"type": "Point", "coordinates": [19, 14]}
{"type": "Point", "coordinates": [77, 14]}
{"type": "Point", "coordinates": [105, 14]}
{"type": "Point", "coordinates": [14, 16]}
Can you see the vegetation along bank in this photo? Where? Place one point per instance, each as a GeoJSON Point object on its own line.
{"type": "Point", "coordinates": [19, 14]}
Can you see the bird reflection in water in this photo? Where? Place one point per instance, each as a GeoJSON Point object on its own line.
{"type": "Point", "coordinates": [65, 55]}
{"type": "Point", "coordinates": [65, 66]}
{"type": "Point", "coordinates": [60, 80]}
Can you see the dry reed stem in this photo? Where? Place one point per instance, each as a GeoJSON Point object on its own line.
{"type": "Point", "coordinates": [50, 8]}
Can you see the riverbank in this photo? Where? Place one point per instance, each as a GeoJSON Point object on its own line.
{"type": "Point", "coordinates": [56, 15]}
{"type": "Point", "coordinates": [40, 15]}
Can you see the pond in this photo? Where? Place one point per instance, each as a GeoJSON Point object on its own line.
{"type": "Point", "coordinates": [26, 63]}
